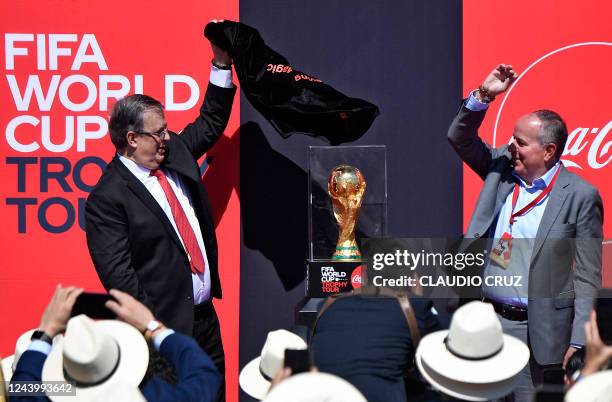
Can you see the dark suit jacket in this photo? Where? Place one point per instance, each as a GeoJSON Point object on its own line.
{"type": "Point", "coordinates": [564, 274]}
{"type": "Point", "coordinates": [131, 241]}
{"type": "Point", "coordinates": [366, 341]}
{"type": "Point", "coordinates": [197, 377]}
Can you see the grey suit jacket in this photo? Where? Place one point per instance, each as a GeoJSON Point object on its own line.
{"type": "Point", "coordinates": [564, 274]}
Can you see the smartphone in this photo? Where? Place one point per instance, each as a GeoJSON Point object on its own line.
{"type": "Point", "coordinates": [92, 305]}
{"type": "Point", "coordinates": [298, 360]}
{"type": "Point", "coordinates": [603, 307]}
{"type": "Point", "coordinates": [553, 376]}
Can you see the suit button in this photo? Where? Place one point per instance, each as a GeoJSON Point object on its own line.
{"type": "Point", "coordinates": [476, 234]}
{"type": "Point", "coordinates": [189, 297]}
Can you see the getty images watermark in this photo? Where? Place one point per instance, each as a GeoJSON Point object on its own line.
{"type": "Point", "coordinates": [436, 267]}
{"type": "Point", "coordinates": [409, 261]}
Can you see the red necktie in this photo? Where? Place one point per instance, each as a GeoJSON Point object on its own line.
{"type": "Point", "coordinates": [196, 258]}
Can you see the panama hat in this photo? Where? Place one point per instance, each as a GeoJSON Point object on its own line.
{"type": "Point", "coordinates": [473, 360]}
{"type": "Point", "coordinates": [9, 363]}
{"type": "Point", "coordinates": [256, 376]}
{"type": "Point", "coordinates": [593, 388]}
{"type": "Point", "coordinates": [315, 387]}
{"type": "Point", "coordinates": [95, 355]}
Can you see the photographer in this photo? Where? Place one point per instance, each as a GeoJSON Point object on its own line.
{"type": "Point", "coordinates": [117, 354]}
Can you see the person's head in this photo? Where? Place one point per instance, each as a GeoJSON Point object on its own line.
{"type": "Point", "coordinates": [138, 130]}
{"type": "Point", "coordinates": [473, 359]}
{"type": "Point", "coordinates": [255, 377]}
{"type": "Point", "coordinates": [97, 355]}
{"type": "Point", "coordinates": [537, 143]}
{"type": "Point", "coordinates": [313, 387]}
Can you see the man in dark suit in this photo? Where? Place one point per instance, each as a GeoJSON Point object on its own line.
{"type": "Point", "coordinates": [149, 227]}
{"type": "Point", "coordinates": [546, 226]}
{"type": "Point", "coordinates": [198, 379]}
{"type": "Point", "coordinates": [369, 341]}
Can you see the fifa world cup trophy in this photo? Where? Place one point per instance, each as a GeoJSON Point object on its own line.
{"type": "Point", "coordinates": [346, 188]}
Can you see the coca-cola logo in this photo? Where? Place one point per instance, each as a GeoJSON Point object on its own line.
{"type": "Point", "coordinates": [356, 277]}
{"type": "Point", "coordinates": [597, 148]}
{"type": "Point", "coordinates": [570, 81]}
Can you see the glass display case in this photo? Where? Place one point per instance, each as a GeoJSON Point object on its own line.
{"type": "Point", "coordinates": [327, 273]}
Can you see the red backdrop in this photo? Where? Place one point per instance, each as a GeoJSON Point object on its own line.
{"type": "Point", "coordinates": [63, 64]}
{"type": "Point", "coordinates": [562, 51]}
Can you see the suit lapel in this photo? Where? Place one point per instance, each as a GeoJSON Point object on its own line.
{"type": "Point", "coordinates": [505, 188]}
{"type": "Point", "coordinates": [506, 185]}
{"type": "Point", "coordinates": [147, 199]}
{"type": "Point", "coordinates": [557, 198]}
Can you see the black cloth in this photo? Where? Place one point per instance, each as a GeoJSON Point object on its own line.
{"type": "Point", "coordinates": [290, 99]}
{"type": "Point", "coordinates": [133, 245]}
{"type": "Point", "coordinates": [366, 341]}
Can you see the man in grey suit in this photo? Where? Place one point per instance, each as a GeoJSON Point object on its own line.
{"type": "Point", "coordinates": [545, 224]}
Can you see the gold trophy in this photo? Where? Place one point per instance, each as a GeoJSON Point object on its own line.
{"type": "Point", "coordinates": [346, 188]}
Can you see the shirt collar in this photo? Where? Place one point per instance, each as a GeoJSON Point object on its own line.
{"type": "Point", "coordinates": [542, 181]}
{"type": "Point", "coordinates": [141, 173]}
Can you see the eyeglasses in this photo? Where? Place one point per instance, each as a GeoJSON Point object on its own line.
{"type": "Point", "coordinates": [157, 136]}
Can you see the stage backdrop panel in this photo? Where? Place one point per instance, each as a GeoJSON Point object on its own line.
{"type": "Point", "coordinates": [63, 65]}
{"type": "Point", "coordinates": [562, 51]}
{"type": "Point", "coordinates": [404, 56]}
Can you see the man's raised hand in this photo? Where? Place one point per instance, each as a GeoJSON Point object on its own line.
{"type": "Point", "coordinates": [498, 81]}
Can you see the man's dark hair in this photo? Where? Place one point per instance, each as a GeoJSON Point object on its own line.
{"type": "Point", "coordinates": [127, 116]}
{"type": "Point", "coordinates": [158, 367]}
{"type": "Point", "coordinates": [553, 130]}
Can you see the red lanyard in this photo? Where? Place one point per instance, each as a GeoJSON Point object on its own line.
{"type": "Point", "coordinates": [532, 203]}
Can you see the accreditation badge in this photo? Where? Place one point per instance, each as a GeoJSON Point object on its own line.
{"type": "Point", "coordinates": [502, 250]}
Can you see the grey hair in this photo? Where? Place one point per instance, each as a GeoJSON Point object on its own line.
{"type": "Point", "coordinates": [552, 131]}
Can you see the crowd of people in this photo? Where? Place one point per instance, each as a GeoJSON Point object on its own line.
{"type": "Point", "coordinates": [367, 346]}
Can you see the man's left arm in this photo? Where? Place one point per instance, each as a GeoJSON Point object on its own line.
{"type": "Point", "coordinates": [198, 379]}
{"type": "Point", "coordinates": [53, 321]}
{"type": "Point", "coordinates": [202, 134]}
{"type": "Point", "coordinates": [587, 264]}
{"type": "Point", "coordinates": [29, 368]}
{"type": "Point", "coordinates": [208, 127]}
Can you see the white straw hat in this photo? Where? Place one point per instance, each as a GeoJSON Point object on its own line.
{"type": "Point", "coordinates": [473, 360]}
{"type": "Point", "coordinates": [255, 377]}
{"type": "Point", "coordinates": [593, 388]}
{"type": "Point", "coordinates": [315, 387]}
{"type": "Point", "coordinates": [97, 355]}
{"type": "Point", "coordinates": [9, 363]}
